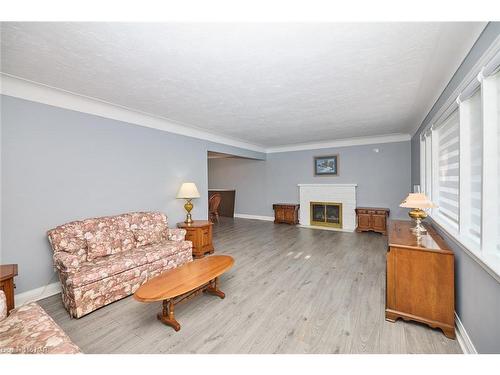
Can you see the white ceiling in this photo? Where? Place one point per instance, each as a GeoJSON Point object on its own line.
{"type": "Point", "coordinates": [266, 84]}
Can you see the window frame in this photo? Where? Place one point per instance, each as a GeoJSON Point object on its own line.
{"type": "Point", "coordinates": [486, 252]}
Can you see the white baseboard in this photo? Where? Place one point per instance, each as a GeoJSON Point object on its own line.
{"type": "Point", "coordinates": [327, 228]}
{"type": "Point", "coordinates": [37, 294]}
{"type": "Point", "coordinates": [254, 217]}
{"type": "Point", "coordinates": [463, 338]}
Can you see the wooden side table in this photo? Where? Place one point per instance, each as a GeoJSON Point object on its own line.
{"type": "Point", "coordinates": [200, 234]}
{"type": "Point", "coordinates": [287, 213]}
{"type": "Point", "coordinates": [372, 219]}
{"type": "Point", "coordinates": [7, 274]}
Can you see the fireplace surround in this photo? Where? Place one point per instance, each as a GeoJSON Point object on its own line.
{"type": "Point", "coordinates": [344, 194]}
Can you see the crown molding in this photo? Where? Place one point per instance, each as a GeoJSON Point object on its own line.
{"type": "Point", "coordinates": [358, 141]}
{"type": "Point", "coordinates": [474, 74]}
{"type": "Point", "coordinates": [40, 93]}
{"type": "Point", "coordinates": [37, 92]}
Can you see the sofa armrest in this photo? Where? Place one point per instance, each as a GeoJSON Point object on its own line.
{"type": "Point", "coordinates": [176, 234]}
{"type": "Point", "coordinates": [66, 262]}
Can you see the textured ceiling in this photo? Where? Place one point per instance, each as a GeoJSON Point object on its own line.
{"type": "Point", "coordinates": [268, 84]}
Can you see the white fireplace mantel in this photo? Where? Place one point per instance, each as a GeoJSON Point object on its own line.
{"type": "Point", "coordinates": [338, 193]}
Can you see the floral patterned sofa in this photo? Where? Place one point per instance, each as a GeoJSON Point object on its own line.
{"type": "Point", "coordinates": [30, 330]}
{"type": "Point", "coordinates": [102, 260]}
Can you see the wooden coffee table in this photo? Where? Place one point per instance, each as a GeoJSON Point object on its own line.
{"type": "Point", "coordinates": [181, 283]}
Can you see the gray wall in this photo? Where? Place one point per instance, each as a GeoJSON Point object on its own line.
{"type": "Point", "coordinates": [60, 165]}
{"type": "Point", "coordinates": [383, 178]}
{"type": "Point", "coordinates": [477, 293]}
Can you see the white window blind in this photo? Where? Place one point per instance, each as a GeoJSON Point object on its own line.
{"type": "Point", "coordinates": [448, 169]}
{"type": "Point", "coordinates": [422, 165]}
{"type": "Point", "coordinates": [428, 167]}
{"type": "Point", "coordinates": [475, 166]}
{"type": "Point", "coordinates": [460, 167]}
{"type": "Point", "coordinates": [496, 78]}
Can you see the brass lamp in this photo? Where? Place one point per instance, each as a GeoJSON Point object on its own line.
{"type": "Point", "coordinates": [188, 191]}
{"type": "Point", "coordinates": [418, 202]}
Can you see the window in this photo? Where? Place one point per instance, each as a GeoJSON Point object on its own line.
{"type": "Point", "coordinates": [422, 165]}
{"type": "Point", "coordinates": [428, 166]}
{"type": "Point", "coordinates": [496, 80]}
{"type": "Point", "coordinates": [471, 162]}
{"type": "Point", "coordinates": [491, 168]}
{"type": "Point", "coordinates": [460, 168]}
{"type": "Point", "coordinates": [448, 172]}
{"type": "Point", "coordinates": [475, 164]}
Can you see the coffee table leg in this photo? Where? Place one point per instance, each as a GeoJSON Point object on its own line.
{"type": "Point", "coordinates": [214, 289]}
{"type": "Point", "coordinates": [167, 315]}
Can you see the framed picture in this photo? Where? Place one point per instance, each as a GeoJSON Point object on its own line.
{"type": "Point", "coordinates": [326, 165]}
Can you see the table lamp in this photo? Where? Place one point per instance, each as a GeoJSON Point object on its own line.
{"type": "Point", "coordinates": [418, 202]}
{"type": "Point", "coordinates": [188, 191]}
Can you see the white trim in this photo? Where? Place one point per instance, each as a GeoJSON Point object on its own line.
{"type": "Point", "coordinates": [472, 75]}
{"type": "Point", "coordinates": [463, 338]}
{"type": "Point", "coordinates": [337, 185]}
{"type": "Point", "coordinates": [326, 228]}
{"type": "Point", "coordinates": [254, 217]}
{"type": "Point", "coordinates": [358, 141]}
{"type": "Point", "coordinates": [37, 92]}
{"type": "Point", "coordinates": [37, 294]}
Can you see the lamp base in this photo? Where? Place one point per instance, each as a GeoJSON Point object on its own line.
{"type": "Point", "coordinates": [418, 215]}
{"type": "Point", "coordinates": [188, 207]}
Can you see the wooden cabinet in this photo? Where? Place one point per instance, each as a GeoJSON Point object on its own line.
{"type": "Point", "coordinates": [372, 219]}
{"type": "Point", "coordinates": [286, 213]}
{"type": "Point", "coordinates": [420, 278]}
{"type": "Point", "coordinates": [200, 234]}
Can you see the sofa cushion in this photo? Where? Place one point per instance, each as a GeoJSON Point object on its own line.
{"type": "Point", "coordinates": [107, 266]}
{"type": "Point", "coordinates": [107, 236]}
{"type": "Point", "coordinates": [104, 267]}
{"type": "Point", "coordinates": [148, 227]}
{"type": "Point", "coordinates": [29, 329]}
{"type": "Point", "coordinates": [164, 249]}
{"type": "Point", "coordinates": [70, 239]}
{"type": "Point", "coordinates": [144, 237]}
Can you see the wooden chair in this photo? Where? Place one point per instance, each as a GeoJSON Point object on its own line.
{"type": "Point", "coordinates": [213, 207]}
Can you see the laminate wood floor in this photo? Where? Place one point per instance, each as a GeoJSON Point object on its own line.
{"type": "Point", "coordinates": [291, 290]}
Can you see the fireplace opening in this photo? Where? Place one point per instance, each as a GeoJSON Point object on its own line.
{"type": "Point", "coordinates": [327, 214]}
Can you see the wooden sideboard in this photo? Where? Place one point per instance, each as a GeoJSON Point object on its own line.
{"type": "Point", "coordinates": [420, 278]}
{"type": "Point", "coordinates": [286, 213]}
{"type": "Point", "coordinates": [226, 207]}
{"type": "Point", "coordinates": [372, 219]}
{"type": "Point", "coordinates": [199, 232]}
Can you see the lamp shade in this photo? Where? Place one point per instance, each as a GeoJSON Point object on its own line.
{"type": "Point", "coordinates": [417, 200]}
{"type": "Point", "coordinates": [188, 190]}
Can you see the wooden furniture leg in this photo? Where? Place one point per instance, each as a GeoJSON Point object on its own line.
{"type": "Point", "coordinates": [167, 315]}
{"type": "Point", "coordinates": [214, 290]}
